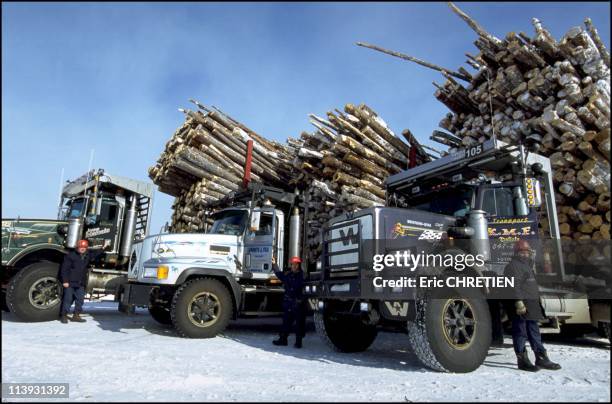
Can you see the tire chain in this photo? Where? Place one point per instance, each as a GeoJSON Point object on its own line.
{"type": "Point", "coordinates": [417, 335]}
{"type": "Point", "coordinates": [321, 331]}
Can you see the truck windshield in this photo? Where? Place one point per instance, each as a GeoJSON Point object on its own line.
{"type": "Point", "coordinates": [452, 202]}
{"type": "Point", "coordinates": [230, 222]}
{"type": "Point", "coordinates": [76, 208]}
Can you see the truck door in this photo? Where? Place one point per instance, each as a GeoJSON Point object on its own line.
{"type": "Point", "coordinates": [259, 244]}
{"type": "Point", "coordinates": [103, 230]}
{"type": "Point", "coordinates": [506, 223]}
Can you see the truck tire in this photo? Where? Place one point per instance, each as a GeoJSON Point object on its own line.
{"type": "Point", "coordinates": [35, 293]}
{"type": "Point", "coordinates": [201, 308]}
{"type": "Point", "coordinates": [344, 334]}
{"type": "Point", "coordinates": [462, 345]}
{"type": "Point", "coordinates": [161, 314]}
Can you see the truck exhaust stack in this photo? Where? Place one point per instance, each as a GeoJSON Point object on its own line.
{"type": "Point", "coordinates": [294, 234]}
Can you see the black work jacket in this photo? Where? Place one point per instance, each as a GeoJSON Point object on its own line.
{"type": "Point", "coordinates": [293, 283]}
{"type": "Point", "coordinates": [74, 268]}
{"type": "Point", "coordinates": [525, 289]}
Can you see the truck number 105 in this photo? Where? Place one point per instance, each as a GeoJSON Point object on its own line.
{"type": "Point", "coordinates": [473, 151]}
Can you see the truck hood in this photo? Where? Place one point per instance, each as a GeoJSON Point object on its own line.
{"type": "Point", "coordinates": [182, 250]}
{"type": "Point", "coordinates": [20, 234]}
{"type": "Point", "coordinates": [188, 245]}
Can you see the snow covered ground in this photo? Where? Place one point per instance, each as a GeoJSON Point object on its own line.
{"type": "Point", "coordinates": [115, 357]}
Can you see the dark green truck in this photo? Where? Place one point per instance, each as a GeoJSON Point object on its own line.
{"type": "Point", "coordinates": [110, 211]}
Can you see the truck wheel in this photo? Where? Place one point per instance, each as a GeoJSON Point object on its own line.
{"type": "Point", "coordinates": [35, 293]}
{"type": "Point", "coordinates": [201, 308]}
{"type": "Point", "coordinates": [161, 314]}
{"type": "Point", "coordinates": [451, 334]}
{"type": "Point", "coordinates": [343, 333]}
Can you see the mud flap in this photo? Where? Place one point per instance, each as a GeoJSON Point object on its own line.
{"type": "Point", "coordinates": [132, 295]}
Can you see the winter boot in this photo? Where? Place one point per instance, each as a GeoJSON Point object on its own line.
{"type": "Point", "coordinates": [282, 340]}
{"type": "Point", "coordinates": [525, 364]}
{"type": "Point", "coordinates": [298, 341]}
{"type": "Point", "coordinates": [543, 362]}
{"type": "Point", "coordinates": [77, 318]}
{"type": "Point", "coordinates": [64, 319]}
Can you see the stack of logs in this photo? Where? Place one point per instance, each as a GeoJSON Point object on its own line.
{"type": "Point", "coordinates": [204, 161]}
{"type": "Point", "coordinates": [554, 95]}
{"type": "Point", "coordinates": [344, 163]}
{"type": "Point", "coordinates": [339, 167]}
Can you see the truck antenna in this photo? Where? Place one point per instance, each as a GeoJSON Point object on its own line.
{"type": "Point", "coordinates": [91, 157]}
{"type": "Point", "coordinates": [59, 202]}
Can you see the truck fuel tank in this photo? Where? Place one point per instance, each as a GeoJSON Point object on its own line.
{"type": "Point", "coordinates": [75, 227]}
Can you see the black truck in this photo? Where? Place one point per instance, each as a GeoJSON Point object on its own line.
{"type": "Point", "coordinates": [475, 202]}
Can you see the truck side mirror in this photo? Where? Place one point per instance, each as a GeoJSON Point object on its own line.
{"type": "Point", "coordinates": [255, 219]}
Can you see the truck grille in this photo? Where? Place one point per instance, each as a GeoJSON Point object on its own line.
{"type": "Point", "coordinates": [341, 250]}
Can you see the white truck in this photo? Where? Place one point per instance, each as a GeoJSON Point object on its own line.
{"type": "Point", "coordinates": [198, 282]}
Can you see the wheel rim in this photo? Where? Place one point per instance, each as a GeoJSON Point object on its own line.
{"type": "Point", "coordinates": [203, 309]}
{"type": "Point", "coordinates": [459, 323]}
{"type": "Point", "coordinates": [45, 293]}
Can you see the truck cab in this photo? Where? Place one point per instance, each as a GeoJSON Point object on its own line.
{"type": "Point", "coordinates": [199, 281]}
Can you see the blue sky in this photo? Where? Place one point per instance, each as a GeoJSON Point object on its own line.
{"type": "Point", "coordinates": [110, 77]}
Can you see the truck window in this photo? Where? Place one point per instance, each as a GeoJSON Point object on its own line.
{"type": "Point", "coordinates": [452, 202]}
{"type": "Point", "coordinates": [76, 208]}
{"type": "Point", "coordinates": [265, 225]}
{"type": "Point", "coordinates": [498, 202]}
{"type": "Point", "coordinates": [230, 222]}
{"type": "Point", "coordinates": [108, 213]}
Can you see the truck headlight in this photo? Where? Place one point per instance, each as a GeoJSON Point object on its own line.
{"type": "Point", "coordinates": [314, 288]}
{"type": "Point", "coordinates": [150, 272]}
{"type": "Point", "coordinates": [159, 272]}
{"type": "Point", "coordinates": [162, 272]}
{"type": "Point", "coordinates": [319, 265]}
{"type": "Point", "coordinates": [307, 289]}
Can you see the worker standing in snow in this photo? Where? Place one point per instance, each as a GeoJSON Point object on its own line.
{"type": "Point", "coordinates": [73, 275]}
{"type": "Point", "coordinates": [293, 301]}
{"type": "Point", "coordinates": [525, 310]}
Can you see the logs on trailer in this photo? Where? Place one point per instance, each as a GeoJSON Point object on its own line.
{"type": "Point", "coordinates": [339, 167]}
{"type": "Point", "coordinates": [204, 160]}
{"type": "Point", "coordinates": [343, 163]}
{"type": "Point", "coordinates": [553, 95]}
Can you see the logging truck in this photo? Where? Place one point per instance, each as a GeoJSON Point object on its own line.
{"type": "Point", "coordinates": [478, 201]}
{"type": "Point", "coordinates": [110, 211]}
{"type": "Point", "coordinates": [198, 282]}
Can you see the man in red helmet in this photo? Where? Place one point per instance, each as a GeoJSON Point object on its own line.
{"type": "Point", "coordinates": [525, 310]}
{"type": "Point", "coordinates": [293, 301]}
{"type": "Point", "coordinates": [73, 275]}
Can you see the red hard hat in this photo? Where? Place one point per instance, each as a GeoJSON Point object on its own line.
{"type": "Point", "coordinates": [83, 244]}
{"type": "Point", "coordinates": [522, 245]}
{"type": "Point", "coordinates": [295, 260]}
